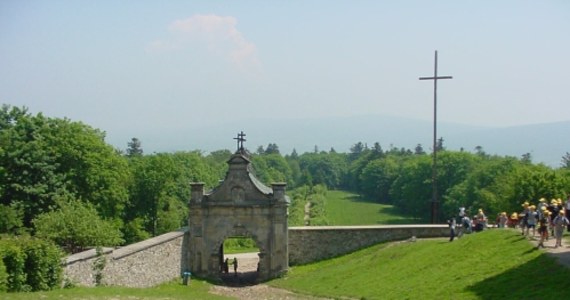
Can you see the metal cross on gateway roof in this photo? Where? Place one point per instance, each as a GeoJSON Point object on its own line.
{"type": "Point", "coordinates": [240, 139]}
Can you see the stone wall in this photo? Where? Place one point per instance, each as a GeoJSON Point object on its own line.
{"type": "Point", "coordinates": [310, 244]}
{"type": "Point", "coordinates": [143, 264]}
{"type": "Point", "coordinates": [159, 259]}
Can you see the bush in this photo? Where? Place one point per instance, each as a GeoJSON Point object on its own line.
{"type": "Point", "coordinates": [76, 226]}
{"type": "Point", "coordinates": [3, 276]}
{"type": "Point", "coordinates": [30, 264]}
{"type": "Point", "coordinates": [43, 265]}
{"type": "Point", "coordinates": [14, 260]}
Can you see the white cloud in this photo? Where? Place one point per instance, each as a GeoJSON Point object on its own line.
{"type": "Point", "coordinates": [219, 34]}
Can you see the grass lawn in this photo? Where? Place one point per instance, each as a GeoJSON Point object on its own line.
{"type": "Point", "coordinates": [494, 264]}
{"type": "Point", "coordinates": [345, 208]}
{"type": "Point", "coordinates": [197, 289]}
{"type": "Point", "coordinates": [236, 245]}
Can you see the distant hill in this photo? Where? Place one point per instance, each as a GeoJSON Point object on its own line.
{"type": "Point", "coordinates": [546, 143]}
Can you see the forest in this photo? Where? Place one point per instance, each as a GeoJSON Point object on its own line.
{"type": "Point", "coordinates": [60, 181]}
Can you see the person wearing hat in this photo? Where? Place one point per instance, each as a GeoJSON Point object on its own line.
{"type": "Point", "coordinates": [567, 209]}
{"type": "Point", "coordinates": [559, 223]}
{"type": "Point", "coordinates": [523, 216]}
{"type": "Point", "coordinates": [543, 227]}
{"type": "Point", "coordinates": [503, 220]}
{"type": "Point", "coordinates": [531, 219]}
{"type": "Point", "coordinates": [541, 204]}
{"type": "Point", "coordinates": [513, 220]}
{"type": "Point", "coordinates": [554, 209]}
{"type": "Point", "coordinates": [482, 219]}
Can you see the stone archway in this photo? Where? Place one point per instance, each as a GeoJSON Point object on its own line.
{"type": "Point", "coordinates": [240, 206]}
{"type": "Point", "coordinates": [249, 266]}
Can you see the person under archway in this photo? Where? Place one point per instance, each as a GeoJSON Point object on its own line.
{"type": "Point", "coordinates": [226, 266]}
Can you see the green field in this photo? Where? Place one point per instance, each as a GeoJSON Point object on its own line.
{"type": "Point", "coordinates": [494, 264]}
{"type": "Point", "coordinates": [345, 208]}
{"type": "Point", "coordinates": [197, 289]}
{"type": "Point", "coordinates": [236, 245]}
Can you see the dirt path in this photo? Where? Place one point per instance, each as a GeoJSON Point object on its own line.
{"type": "Point", "coordinates": [239, 288]}
{"type": "Point", "coordinates": [260, 291]}
{"type": "Point", "coordinates": [562, 254]}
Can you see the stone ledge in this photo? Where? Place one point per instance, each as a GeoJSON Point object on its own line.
{"type": "Point", "coordinates": [143, 245]}
{"type": "Point", "coordinates": [85, 255]}
{"type": "Point", "coordinates": [364, 227]}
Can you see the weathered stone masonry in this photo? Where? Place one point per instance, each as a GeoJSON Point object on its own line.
{"type": "Point", "coordinates": [310, 244]}
{"type": "Point", "coordinates": [159, 259]}
{"type": "Point", "coordinates": [143, 264]}
{"type": "Point", "coordinates": [240, 206]}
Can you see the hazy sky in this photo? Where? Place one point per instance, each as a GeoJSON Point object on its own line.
{"type": "Point", "coordinates": [132, 66]}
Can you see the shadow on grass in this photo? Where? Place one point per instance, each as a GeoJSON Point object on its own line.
{"type": "Point", "coordinates": [358, 198]}
{"type": "Point", "coordinates": [399, 218]}
{"type": "Point", "coordinates": [562, 257]}
{"type": "Point", "coordinates": [387, 209]}
{"type": "Point", "coordinates": [540, 278]}
{"type": "Point", "coordinates": [241, 279]}
{"type": "Point", "coordinates": [515, 238]}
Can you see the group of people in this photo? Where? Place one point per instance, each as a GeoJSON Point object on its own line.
{"type": "Point", "coordinates": [463, 224]}
{"type": "Point", "coordinates": [546, 217]}
{"type": "Point", "coordinates": [226, 265]}
{"type": "Point", "coordinates": [550, 219]}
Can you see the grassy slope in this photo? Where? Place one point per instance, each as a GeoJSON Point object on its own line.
{"type": "Point", "coordinates": [345, 208]}
{"type": "Point", "coordinates": [170, 291]}
{"type": "Point", "coordinates": [493, 264]}
{"type": "Point", "coordinates": [489, 265]}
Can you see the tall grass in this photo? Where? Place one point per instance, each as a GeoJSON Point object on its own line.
{"type": "Point", "coordinates": [494, 264]}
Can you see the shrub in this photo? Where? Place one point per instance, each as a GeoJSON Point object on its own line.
{"type": "Point", "coordinates": [3, 277]}
{"type": "Point", "coordinates": [76, 226]}
{"type": "Point", "coordinates": [43, 265]}
{"type": "Point", "coordinates": [30, 264]}
{"type": "Point", "coordinates": [99, 265]}
{"type": "Point", "coordinates": [14, 260]}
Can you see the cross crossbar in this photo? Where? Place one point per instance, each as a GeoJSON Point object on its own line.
{"type": "Point", "coordinates": [240, 139]}
{"type": "Point", "coordinates": [439, 77]}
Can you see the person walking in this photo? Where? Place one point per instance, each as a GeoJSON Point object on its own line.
{"type": "Point", "coordinates": [452, 224]}
{"type": "Point", "coordinates": [567, 208]}
{"type": "Point", "coordinates": [235, 263]}
{"type": "Point", "coordinates": [531, 220]}
{"type": "Point", "coordinates": [523, 217]}
{"type": "Point", "coordinates": [559, 223]}
{"type": "Point", "coordinates": [543, 221]}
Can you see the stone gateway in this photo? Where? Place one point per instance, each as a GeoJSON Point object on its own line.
{"type": "Point", "coordinates": [241, 206]}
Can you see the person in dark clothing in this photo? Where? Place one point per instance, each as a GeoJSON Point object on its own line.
{"type": "Point", "coordinates": [452, 224]}
{"type": "Point", "coordinates": [226, 266]}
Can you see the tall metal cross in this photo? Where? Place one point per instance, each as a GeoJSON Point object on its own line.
{"type": "Point", "coordinates": [434, 201]}
{"type": "Point", "coordinates": [240, 139]}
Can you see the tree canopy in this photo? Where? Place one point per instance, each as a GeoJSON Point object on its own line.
{"type": "Point", "coordinates": [51, 167]}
